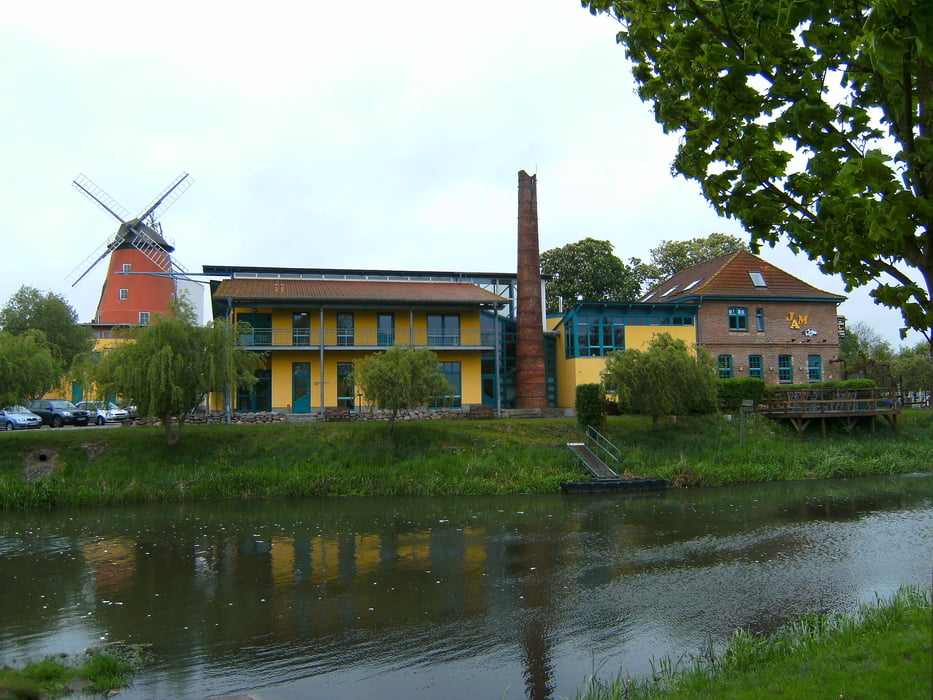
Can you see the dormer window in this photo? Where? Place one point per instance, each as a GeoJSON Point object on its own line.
{"type": "Point", "coordinates": [757, 278]}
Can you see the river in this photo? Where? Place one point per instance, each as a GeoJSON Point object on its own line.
{"type": "Point", "coordinates": [460, 598]}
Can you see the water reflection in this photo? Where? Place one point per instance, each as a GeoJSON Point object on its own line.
{"type": "Point", "coordinates": [480, 597]}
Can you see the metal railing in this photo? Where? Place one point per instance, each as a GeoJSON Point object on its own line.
{"type": "Point", "coordinates": [603, 448]}
{"type": "Point", "coordinates": [258, 338]}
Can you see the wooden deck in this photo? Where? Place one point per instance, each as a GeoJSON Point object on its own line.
{"type": "Point", "coordinates": [847, 406]}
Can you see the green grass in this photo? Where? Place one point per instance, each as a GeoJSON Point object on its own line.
{"type": "Point", "coordinates": [881, 651]}
{"type": "Point", "coordinates": [438, 457]}
{"type": "Point", "coordinates": [98, 671]}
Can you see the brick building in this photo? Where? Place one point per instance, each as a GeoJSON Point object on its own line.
{"type": "Point", "coordinates": [757, 320]}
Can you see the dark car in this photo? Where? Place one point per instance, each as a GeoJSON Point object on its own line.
{"type": "Point", "coordinates": [58, 412]}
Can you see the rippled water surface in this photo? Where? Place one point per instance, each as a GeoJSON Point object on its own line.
{"type": "Point", "coordinates": [479, 597]}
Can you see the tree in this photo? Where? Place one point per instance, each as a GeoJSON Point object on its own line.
{"type": "Point", "coordinates": [671, 257]}
{"type": "Point", "coordinates": [913, 368]}
{"type": "Point", "coordinates": [810, 120]}
{"type": "Point", "coordinates": [169, 367]}
{"type": "Point", "coordinates": [587, 271]}
{"type": "Point", "coordinates": [401, 377]}
{"type": "Point", "coordinates": [29, 309]}
{"type": "Point", "coordinates": [665, 379]}
{"type": "Point", "coordinates": [27, 367]}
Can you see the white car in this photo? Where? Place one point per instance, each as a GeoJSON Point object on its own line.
{"type": "Point", "coordinates": [101, 412]}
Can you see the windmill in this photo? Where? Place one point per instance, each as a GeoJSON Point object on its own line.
{"type": "Point", "coordinates": [138, 247]}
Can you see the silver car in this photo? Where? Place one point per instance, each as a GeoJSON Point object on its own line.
{"type": "Point", "coordinates": [101, 412]}
{"type": "Point", "coordinates": [19, 418]}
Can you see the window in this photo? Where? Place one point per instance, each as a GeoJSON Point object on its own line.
{"type": "Point", "coordinates": [725, 366]}
{"type": "Point", "coordinates": [760, 319]}
{"type": "Point", "coordinates": [124, 294]}
{"type": "Point", "coordinates": [301, 328]}
{"type": "Point", "coordinates": [345, 385]}
{"type": "Point", "coordinates": [738, 318]}
{"type": "Point", "coordinates": [443, 329]}
{"type": "Point", "coordinates": [785, 369]}
{"type": "Point", "coordinates": [451, 371]}
{"type": "Point", "coordinates": [755, 367]}
{"type": "Point", "coordinates": [757, 278]}
{"type": "Point", "coordinates": [814, 368]}
{"type": "Point", "coordinates": [127, 267]}
{"type": "Point", "coordinates": [385, 329]}
{"type": "Point", "coordinates": [143, 318]}
{"type": "Point", "coordinates": [345, 328]}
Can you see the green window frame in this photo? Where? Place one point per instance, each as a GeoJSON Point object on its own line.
{"type": "Point", "coordinates": [345, 386]}
{"type": "Point", "coordinates": [444, 329]}
{"type": "Point", "coordinates": [738, 318]}
{"type": "Point", "coordinates": [451, 372]}
{"type": "Point", "coordinates": [814, 368]}
{"type": "Point", "coordinates": [755, 367]}
{"type": "Point", "coordinates": [385, 329]}
{"type": "Point", "coordinates": [724, 363]}
{"type": "Point", "coordinates": [785, 369]}
{"type": "Point", "coordinates": [760, 319]}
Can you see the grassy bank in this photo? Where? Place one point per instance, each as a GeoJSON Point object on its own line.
{"type": "Point", "coordinates": [881, 651]}
{"type": "Point", "coordinates": [442, 457]}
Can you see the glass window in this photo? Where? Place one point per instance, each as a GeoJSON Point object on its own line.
{"type": "Point", "coordinates": [755, 367]}
{"type": "Point", "coordinates": [301, 328]}
{"type": "Point", "coordinates": [760, 318]}
{"type": "Point", "coordinates": [127, 267]}
{"type": "Point", "coordinates": [725, 366]}
{"type": "Point", "coordinates": [124, 294]}
{"type": "Point", "coordinates": [814, 368]}
{"type": "Point", "coordinates": [345, 328]}
{"type": "Point", "coordinates": [443, 329]}
{"type": "Point", "coordinates": [451, 371]}
{"type": "Point", "coordinates": [345, 385]}
{"type": "Point", "coordinates": [785, 369]}
{"type": "Point", "coordinates": [385, 325]}
{"type": "Point", "coordinates": [738, 318]}
{"type": "Point", "coordinates": [143, 318]}
{"type": "Point", "coordinates": [757, 278]}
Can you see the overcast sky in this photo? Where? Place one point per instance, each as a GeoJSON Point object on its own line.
{"type": "Point", "coordinates": [352, 135]}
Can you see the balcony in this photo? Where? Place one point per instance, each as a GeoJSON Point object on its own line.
{"type": "Point", "coordinates": [363, 339]}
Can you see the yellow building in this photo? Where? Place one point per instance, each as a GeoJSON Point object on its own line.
{"type": "Point", "coordinates": [314, 329]}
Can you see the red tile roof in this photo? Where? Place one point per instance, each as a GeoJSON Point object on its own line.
{"type": "Point", "coordinates": [354, 291]}
{"type": "Point", "coordinates": [728, 277]}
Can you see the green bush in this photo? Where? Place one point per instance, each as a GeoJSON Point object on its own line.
{"type": "Point", "coordinates": [732, 392]}
{"type": "Point", "coordinates": [590, 404]}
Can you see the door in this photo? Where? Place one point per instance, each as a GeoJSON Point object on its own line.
{"type": "Point", "coordinates": [301, 387]}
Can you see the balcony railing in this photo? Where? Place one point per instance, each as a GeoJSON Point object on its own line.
{"type": "Point", "coordinates": [368, 338]}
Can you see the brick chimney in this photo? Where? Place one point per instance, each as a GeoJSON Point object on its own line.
{"type": "Point", "coordinates": [530, 381]}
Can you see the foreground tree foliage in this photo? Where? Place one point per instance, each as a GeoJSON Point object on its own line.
{"type": "Point", "coordinates": [810, 120]}
{"type": "Point", "coordinates": [27, 367]}
{"type": "Point", "coordinates": [168, 368]}
{"type": "Point", "coordinates": [667, 378]}
{"type": "Point", "coordinates": [399, 378]}
{"type": "Point", "coordinates": [31, 310]}
{"type": "Point", "coordinates": [588, 271]}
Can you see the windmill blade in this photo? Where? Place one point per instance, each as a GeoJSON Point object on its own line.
{"type": "Point", "coordinates": [167, 198]}
{"type": "Point", "coordinates": [86, 186]}
{"type": "Point", "coordinates": [89, 263]}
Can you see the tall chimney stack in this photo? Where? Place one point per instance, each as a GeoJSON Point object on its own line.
{"type": "Point", "coordinates": [530, 381]}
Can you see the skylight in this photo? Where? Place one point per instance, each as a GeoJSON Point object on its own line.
{"type": "Point", "coordinates": [757, 278]}
{"type": "Point", "coordinates": [693, 284]}
{"type": "Point", "coordinates": [670, 291]}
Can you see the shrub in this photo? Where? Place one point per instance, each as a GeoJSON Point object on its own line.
{"type": "Point", "coordinates": [590, 405]}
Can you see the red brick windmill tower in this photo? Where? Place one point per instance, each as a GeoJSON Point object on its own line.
{"type": "Point", "coordinates": [141, 275]}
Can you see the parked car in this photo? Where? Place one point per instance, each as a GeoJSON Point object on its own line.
{"type": "Point", "coordinates": [101, 412]}
{"type": "Point", "coordinates": [58, 412]}
{"type": "Point", "coordinates": [19, 418]}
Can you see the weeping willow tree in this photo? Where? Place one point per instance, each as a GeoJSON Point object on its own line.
{"type": "Point", "coordinates": [168, 368]}
{"type": "Point", "coordinates": [665, 379]}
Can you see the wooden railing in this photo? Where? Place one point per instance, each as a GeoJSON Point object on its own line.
{"type": "Point", "coordinates": [827, 401]}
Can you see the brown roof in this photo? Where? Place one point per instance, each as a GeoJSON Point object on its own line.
{"type": "Point", "coordinates": [355, 291]}
{"type": "Point", "coordinates": [728, 277]}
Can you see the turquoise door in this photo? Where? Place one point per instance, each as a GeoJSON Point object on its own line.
{"type": "Point", "coordinates": [301, 387]}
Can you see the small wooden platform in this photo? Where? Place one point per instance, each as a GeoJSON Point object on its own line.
{"type": "Point", "coordinates": [801, 407]}
{"type": "Point", "coordinates": [337, 413]}
{"type": "Point", "coordinates": [613, 486]}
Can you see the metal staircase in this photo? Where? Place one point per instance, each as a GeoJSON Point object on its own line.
{"type": "Point", "coordinates": [597, 453]}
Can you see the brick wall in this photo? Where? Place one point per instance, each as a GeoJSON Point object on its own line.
{"type": "Point", "coordinates": [794, 328]}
